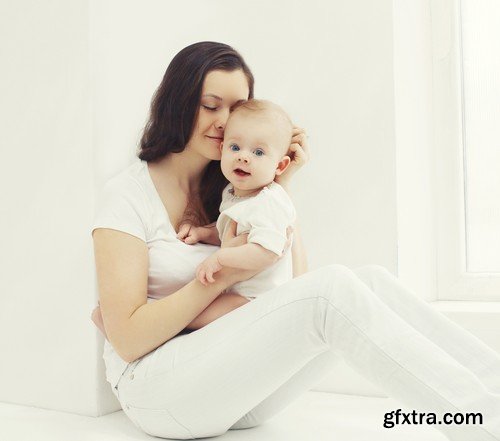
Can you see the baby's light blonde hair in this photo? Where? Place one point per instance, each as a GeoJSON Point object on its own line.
{"type": "Point", "coordinates": [266, 108]}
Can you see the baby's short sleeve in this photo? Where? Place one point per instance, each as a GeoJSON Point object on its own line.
{"type": "Point", "coordinates": [268, 216]}
{"type": "Point", "coordinates": [123, 205]}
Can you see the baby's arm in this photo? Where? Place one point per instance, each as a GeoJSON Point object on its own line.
{"type": "Point", "coordinates": [248, 256]}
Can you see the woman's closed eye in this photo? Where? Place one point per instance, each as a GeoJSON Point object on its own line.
{"type": "Point", "coordinates": [213, 109]}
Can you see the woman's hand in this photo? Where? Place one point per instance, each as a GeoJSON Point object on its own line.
{"type": "Point", "coordinates": [230, 239]}
{"type": "Point", "coordinates": [288, 242]}
{"type": "Point", "coordinates": [299, 155]}
{"type": "Point", "coordinates": [188, 234]}
{"type": "Point", "coordinates": [97, 319]}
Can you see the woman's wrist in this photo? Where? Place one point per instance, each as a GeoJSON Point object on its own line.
{"type": "Point", "coordinates": [210, 234]}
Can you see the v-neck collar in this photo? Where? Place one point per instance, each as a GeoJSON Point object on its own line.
{"type": "Point", "coordinates": [156, 193]}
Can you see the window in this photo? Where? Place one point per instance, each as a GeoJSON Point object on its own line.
{"type": "Point", "coordinates": [466, 106]}
{"type": "Point", "coordinates": [480, 35]}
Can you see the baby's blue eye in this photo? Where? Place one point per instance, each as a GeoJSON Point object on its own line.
{"type": "Point", "coordinates": [234, 147]}
{"type": "Point", "coordinates": [259, 152]}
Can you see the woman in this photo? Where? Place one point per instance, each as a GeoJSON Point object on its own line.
{"type": "Point", "coordinates": [247, 361]}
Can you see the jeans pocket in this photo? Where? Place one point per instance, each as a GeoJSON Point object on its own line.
{"type": "Point", "coordinates": [157, 422]}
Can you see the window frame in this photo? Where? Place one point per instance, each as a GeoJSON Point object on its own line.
{"type": "Point", "coordinates": [453, 280]}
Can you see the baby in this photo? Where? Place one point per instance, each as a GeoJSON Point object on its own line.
{"type": "Point", "coordinates": [254, 152]}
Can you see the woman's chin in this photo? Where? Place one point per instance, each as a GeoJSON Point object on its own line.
{"type": "Point", "coordinates": [213, 156]}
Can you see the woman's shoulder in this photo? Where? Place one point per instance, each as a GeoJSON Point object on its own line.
{"type": "Point", "coordinates": [128, 182]}
{"type": "Point", "coordinates": [124, 204]}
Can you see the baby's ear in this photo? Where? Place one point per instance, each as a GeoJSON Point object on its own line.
{"type": "Point", "coordinates": [283, 165]}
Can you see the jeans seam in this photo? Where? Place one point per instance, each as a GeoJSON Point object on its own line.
{"type": "Point", "coordinates": [357, 328]}
{"type": "Point", "coordinates": [180, 424]}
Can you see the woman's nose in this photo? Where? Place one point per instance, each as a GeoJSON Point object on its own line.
{"type": "Point", "coordinates": [220, 125]}
{"type": "Point", "coordinates": [221, 121]}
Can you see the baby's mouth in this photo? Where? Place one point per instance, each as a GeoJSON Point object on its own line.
{"type": "Point", "coordinates": [241, 172]}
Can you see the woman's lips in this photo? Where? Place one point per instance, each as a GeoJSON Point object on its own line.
{"type": "Point", "coordinates": [214, 139]}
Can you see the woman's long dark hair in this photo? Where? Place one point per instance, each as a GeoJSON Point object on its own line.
{"type": "Point", "coordinates": [174, 109]}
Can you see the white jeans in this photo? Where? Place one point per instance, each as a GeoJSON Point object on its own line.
{"type": "Point", "coordinates": [248, 365]}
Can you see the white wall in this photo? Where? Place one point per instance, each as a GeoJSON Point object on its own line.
{"type": "Point", "coordinates": [415, 150]}
{"type": "Point", "coordinates": [329, 64]}
{"type": "Point", "coordinates": [46, 176]}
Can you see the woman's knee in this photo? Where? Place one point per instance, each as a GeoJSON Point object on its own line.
{"type": "Point", "coordinates": [373, 269]}
{"type": "Point", "coordinates": [244, 425]}
{"type": "Point", "coordinates": [246, 422]}
{"type": "Point", "coordinates": [339, 281]}
{"type": "Point", "coordinates": [333, 275]}
{"type": "Point", "coordinates": [336, 269]}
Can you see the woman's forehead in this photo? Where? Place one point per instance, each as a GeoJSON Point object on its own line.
{"type": "Point", "coordinates": [226, 86]}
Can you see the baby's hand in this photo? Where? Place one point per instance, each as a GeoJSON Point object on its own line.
{"type": "Point", "coordinates": [207, 268]}
{"type": "Point", "coordinates": [190, 234]}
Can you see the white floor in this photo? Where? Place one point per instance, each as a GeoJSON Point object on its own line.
{"type": "Point", "coordinates": [315, 416]}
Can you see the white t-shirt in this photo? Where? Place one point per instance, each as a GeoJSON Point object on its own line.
{"type": "Point", "coordinates": [129, 202]}
{"type": "Point", "coordinates": [265, 217]}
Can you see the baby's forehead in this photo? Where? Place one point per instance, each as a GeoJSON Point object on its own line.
{"type": "Point", "coordinates": [268, 119]}
{"type": "Point", "coordinates": [267, 134]}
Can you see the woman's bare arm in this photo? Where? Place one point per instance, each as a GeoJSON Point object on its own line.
{"type": "Point", "coordinates": [223, 304]}
{"type": "Point", "coordinates": [299, 155]}
{"type": "Point", "coordinates": [299, 257]}
{"type": "Point", "coordinates": [133, 326]}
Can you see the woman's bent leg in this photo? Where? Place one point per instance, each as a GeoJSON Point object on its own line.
{"type": "Point", "coordinates": [307, 377]}
{"type": "Point", "coordinates": [463, 346]}
{"type": "Point", "coordinates": [222, 371]}
{"type": "Point", "coordinates": [467, 349]}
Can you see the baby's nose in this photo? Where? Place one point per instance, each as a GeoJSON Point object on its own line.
{"type": "Point", "coordinates": [243, 158]}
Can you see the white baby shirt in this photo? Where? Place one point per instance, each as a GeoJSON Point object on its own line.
{"type": "Point", "coordinates": [129, 202]}
{"type": "Point", "coordinates": [265, 217]}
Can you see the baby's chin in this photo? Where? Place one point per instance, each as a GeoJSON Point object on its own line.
{"type": "Point", "coordinates": [245, 187]}
{"type": "Point", "coordinates": [248, 186]}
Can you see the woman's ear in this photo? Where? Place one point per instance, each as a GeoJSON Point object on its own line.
{"type": "Point", "coordinates": [283, 165]}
